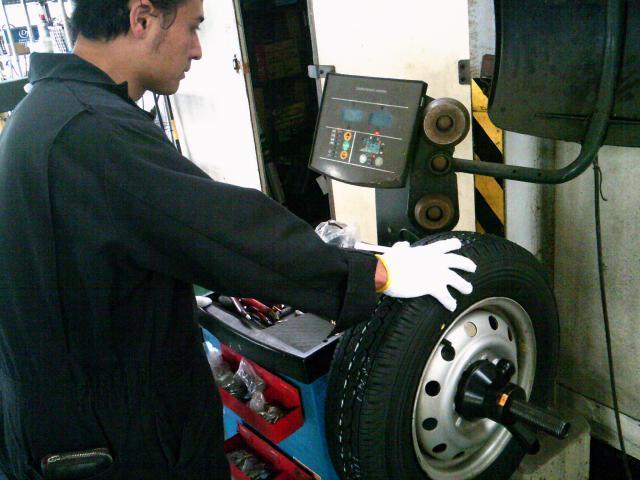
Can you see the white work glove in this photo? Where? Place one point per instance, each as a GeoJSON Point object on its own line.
{"type": "Point", "coordinates": [426, 270]}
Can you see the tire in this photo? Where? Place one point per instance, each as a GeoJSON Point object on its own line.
{"type": "Point", "coordinates": [379, 378]}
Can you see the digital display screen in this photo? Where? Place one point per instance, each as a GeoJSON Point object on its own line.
{"type": "Point", "coordinates": [380, 119]}
{"type": "Point", "coordinates": [351, 115]}
{"type": "Point", "coordinates": [373, 148]}
{"type": "Point", "coordinates": [370, 147]}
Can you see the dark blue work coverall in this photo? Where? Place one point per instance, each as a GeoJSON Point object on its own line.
{"type": "Point", "coordinates": [104, 228]}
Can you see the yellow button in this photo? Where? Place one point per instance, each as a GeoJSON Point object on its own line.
{"type": "Point", "coordinates": [344, 155]}
{"type": "Point", "coordinates": [348, 136]}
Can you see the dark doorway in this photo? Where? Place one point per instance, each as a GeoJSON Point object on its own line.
{"type": "Point", "coordinates": [278, 40]}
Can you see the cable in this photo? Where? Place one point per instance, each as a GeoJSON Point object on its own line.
{"type": "Point", "coordinates": [605, 314]}
{"type": "Point", "coordinates": [161, 123]}
{"type": "Point", "coordinates": [158, 115]}
{"type": "Point", "coordinates": [172, 123]}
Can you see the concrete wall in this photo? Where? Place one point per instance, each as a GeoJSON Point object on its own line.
{"type": "Point", "coordinates": [529, 208]}
{"type": "Point", "coordinates": [583, 355]}
{"type": "Point", "coordinates": [482, 33]}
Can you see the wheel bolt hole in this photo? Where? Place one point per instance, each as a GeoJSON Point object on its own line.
{"type": "Point", "coordinates": [493, 322]}
{"type": "Point", "coordinates": [432, 388]}
{"type": "Point", "coordinates": [430, 424]}
{"type": "Point", "coordinates": [459, 455]}
{"type": "Point", "coordinates": [510, 333]}
{"type": "Point", "coordinates": [448, 353]}
{"type": "Point", "coordinates": [471, 329]}
{"type": "Point", "coordinates": [439, 448]}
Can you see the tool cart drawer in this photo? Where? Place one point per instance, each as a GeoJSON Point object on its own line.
{"type": "Point", "coordinates": [277, 392]}
{"type": "Point", "coordinates": [280, 466]}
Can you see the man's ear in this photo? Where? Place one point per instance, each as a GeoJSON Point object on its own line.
{"type": "Point", "coordinates": [142, 13]}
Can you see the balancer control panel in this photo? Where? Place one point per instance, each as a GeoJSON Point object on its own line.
{"type": "Point", "coordinates": [366, 129]}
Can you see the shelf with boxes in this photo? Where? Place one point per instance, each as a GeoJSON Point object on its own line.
{"type": "Point", "coordinates": [278, 395]}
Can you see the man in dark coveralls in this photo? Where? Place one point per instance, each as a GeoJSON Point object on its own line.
{"type": "Point", "coordinates": [104, 228]}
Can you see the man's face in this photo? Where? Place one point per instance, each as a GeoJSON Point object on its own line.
{"type": "Point", "coordinates": [172, 49]}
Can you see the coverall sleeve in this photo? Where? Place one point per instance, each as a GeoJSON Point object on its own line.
{"type": "Point", "coordinates": [173, 219]}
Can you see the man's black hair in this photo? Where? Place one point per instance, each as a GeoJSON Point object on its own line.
{"type": "Point", "coordinates": [107, 19]}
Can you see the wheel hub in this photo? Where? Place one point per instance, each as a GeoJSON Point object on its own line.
{"type": "Point", "coordinates": [486, 392]}
{"type": "Point", "coordinates": [447, 444]}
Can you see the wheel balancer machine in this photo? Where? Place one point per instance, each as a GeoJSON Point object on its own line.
{"type": "Point", "coordinates": [389, 135]}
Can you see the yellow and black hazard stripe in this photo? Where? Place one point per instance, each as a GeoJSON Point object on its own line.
{"type": "Point", "coordinates": [487, 147]}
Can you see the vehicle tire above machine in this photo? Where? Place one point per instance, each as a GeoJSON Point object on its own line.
{"type": "Point", "coordinates": [390, 410]}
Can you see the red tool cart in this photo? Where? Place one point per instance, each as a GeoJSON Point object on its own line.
{"type": "Point", "coordinates": [292, 357]}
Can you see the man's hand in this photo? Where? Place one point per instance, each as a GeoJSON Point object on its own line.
{"type": "Point", "coordinates": [424, 270]}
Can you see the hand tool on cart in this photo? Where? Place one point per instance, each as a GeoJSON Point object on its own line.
{"type": "Point", "coordinates": [262, 311]}
{"type": "Point", "coordinates": [234, 304]}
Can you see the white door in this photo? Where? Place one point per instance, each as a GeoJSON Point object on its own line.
{"type": "Point", "coordinates": [412, 39]}
{"type": "Point", "coordinates": [212, 106]}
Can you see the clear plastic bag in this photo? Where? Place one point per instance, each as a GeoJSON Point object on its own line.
{"type": "Point", "coordinates": [255, 386]}
{"type": "Point", "coordinates": [250, 465]}
{"type": "Point", "coordinates": [256, 469]}
{"type": "Point", "coordinates": [219, 367]}
{"type": "Point", "coordinates": [271, 413]}
{"type": "Point", "coordinates": [258, 402]}
{"type": "Point", "coordinates": [250, 378]}
{"type": "Point", "coordinates": [340, 234]}
{"type": "Point", "coordinates": [222, 374]}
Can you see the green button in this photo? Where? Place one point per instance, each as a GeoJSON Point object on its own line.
{"type": "Point", "coordinates": [346, 145]}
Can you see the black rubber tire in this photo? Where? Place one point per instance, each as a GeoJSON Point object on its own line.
{"type": "Point", "coordinates": [377, 365]}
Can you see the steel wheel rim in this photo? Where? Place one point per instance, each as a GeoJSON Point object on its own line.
{"type": "Point", "coordinates": [503, 329]}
